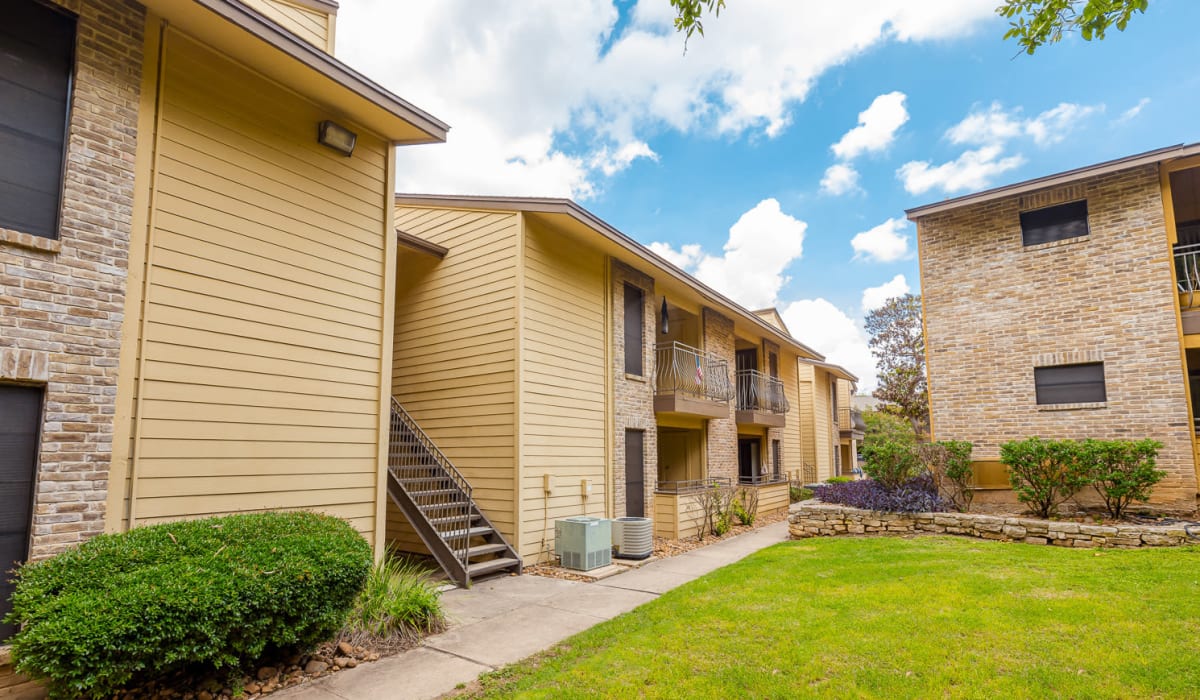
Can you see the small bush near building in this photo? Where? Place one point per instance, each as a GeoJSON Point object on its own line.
{"type": "Point", "coordinates": [839, 480]}
{"type": "Point", "coordinates": [798, 493]}
{"type": "Point", "coordinates": [745, 506]}
{"type": "Point", "coordinates": [1044, 473]}
{"type": "Point", "coordinates": [214, 593]}
{"type": "Point", "coordinates": [949, 464]}
{"type": "Point", "coordinates": [917, 495]}
{"type": "Point", "coordinates": [399, 603]}
{"type": "Point", "coordinates": [1122, 471]}
{"type": "Point", "coordinates": [891, 462]}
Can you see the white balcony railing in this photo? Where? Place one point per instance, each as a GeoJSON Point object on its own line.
{"type": "Point", "coordinates": [683, 369]}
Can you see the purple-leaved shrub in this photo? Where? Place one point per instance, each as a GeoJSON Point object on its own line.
{"type": "Point", "coordinates": [917, 495]}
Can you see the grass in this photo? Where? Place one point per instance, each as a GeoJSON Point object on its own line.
{"type": "Point", "coordinates": [894, 618]}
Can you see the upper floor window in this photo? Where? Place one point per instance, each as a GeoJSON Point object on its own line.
{"type": "Point", "coordinates": [1082, 383]}
{"type": "Point", "coordinates": [1055, 223]}
{"type": "Point", "coordinates": [634, 323]}
{"type": "Point", "coordinates": [37, 46]}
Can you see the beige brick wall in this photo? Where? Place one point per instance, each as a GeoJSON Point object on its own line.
{"type": "Point", "coordinates": [633, 397]}
{"type": "Point", "coordinates": [62, 301]}
{"type": "Point", "coordinates": [995, 309]}
{"type": "Point", "coordinates": [722, 432]}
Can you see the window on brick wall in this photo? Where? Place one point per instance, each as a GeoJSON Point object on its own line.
{"type": "Point", "coordinates": [1055, 223]}
{"type": "Point", "coordinates": [634, 323]}
{"type": "Point", "coordinates": [777, 459]}
{"type": "Point", "coordinates": [37, 46]}
{"type": "Point", "coordinates": [1083, 383]}
{"type": "Point", "coordinates": [20, 421]}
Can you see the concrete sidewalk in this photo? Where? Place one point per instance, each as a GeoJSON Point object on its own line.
{"type": "Point", "coordinates": [503, 620]}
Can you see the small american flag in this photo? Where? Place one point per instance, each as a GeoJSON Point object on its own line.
{"type": "Point", "coordinates": [699, 372]}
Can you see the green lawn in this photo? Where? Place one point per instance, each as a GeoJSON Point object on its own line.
{"type": "Point", "coordinates": [893, 618]}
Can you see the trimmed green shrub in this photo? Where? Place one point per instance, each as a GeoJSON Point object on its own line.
{"type": "Point", "coordinates": [891, 462]}
{"type": "Point", "coordinates": [745, 506]}
{"type": "Point", "coordinates": [1044, 473]}
{"type": "Point", "coordinates": [839, 480]}
{"type": "Point", "coordinates": [214, 593]}
{"type": "Point", "coordinates": [949, 463]}
{"type": "Point", "coordinates": [798, 493]}
{"type": "Point", "coordinates": [399, 599]}
{"type": "Point", "coordinates": [1122, 471]}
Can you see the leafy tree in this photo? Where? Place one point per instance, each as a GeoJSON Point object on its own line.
{"type": "Point", "coordinates": [898, 344]}
{"type": "Point", "coordinates": [886, 427]}
{"type": "Point", "coordinates": [1033, 23]}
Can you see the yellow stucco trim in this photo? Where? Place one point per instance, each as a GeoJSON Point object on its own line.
{"type": "Point", "coordinates": [143, 187]}
{"type": "Point", "coordinates": [1172, 238]}
{"type": "Point", "coordinates": [387, 327]}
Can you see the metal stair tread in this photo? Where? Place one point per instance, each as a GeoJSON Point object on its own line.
{"type": "Point", "coordinates": [484, 567]}
{"type": "Point", "coordinates": [490, 548]}
{"type": "Point", "coordinates": [473, 532]}
{"type": "Point", "coordinates": [453, 519]}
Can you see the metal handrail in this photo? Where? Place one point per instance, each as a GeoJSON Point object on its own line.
{"type": "Point", "coordinates": [762, 479]}
{"type": "Point", "coordinates": [757, 391]}
{"type": "Point", "coordinates": [414, 458]}
{"type": "Point", "coordinates": [683, 369]}
{"type": "Point", "coordinates": [1187, 271]}
{"type": "Point", "coordinates": [690, 485]}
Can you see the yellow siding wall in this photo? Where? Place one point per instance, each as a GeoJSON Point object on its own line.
{"type": "Point", "coordinates": [677, 516]}
{"type": "Point", "coordinates": [823, 424]}
{"type": "Point", "coordinates": [454, 351]}
{"type": "Point", "coordinates": [772, 499]}
{"type": "Point", "coordinates": [311, 25]}
{"type": "Point", "coordinates": [808, 430]}
{"type": "Point", "coordinates": [262, 338]}
{"type": "Point", "coordinates": [793, 455]}
{"type": "Point", "coordinates": [562, 385]}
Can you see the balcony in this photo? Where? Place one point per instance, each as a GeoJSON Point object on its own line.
{"type": "Point", "coordinates": [1187, 274]}
{"type": "Point", "coordinates": [760, 399]}
{"type": "Point", "coordinates": [691, 382]}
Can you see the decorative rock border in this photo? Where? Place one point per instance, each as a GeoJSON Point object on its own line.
{"type": "Point", "coordinates": [816, 519]}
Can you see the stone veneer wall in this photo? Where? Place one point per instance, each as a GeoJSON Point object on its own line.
{"type": "Point", "coordinates": [62, 301]}
{"type": "Point", "coordinates": [722, 432]}
{"type": "Point", "coordinates": [633, 397]}
{"type": "Point", "coordinates": [814, 519]}
{"type": "Point", "coordinates": [995, 309]}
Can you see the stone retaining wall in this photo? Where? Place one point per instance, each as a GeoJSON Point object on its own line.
{"type": "Point", "coordinates": [815, 519]}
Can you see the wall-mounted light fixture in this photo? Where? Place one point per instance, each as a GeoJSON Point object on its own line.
{"type": "Point", "coordinates": [665, 318]}
{"type": "Point", "coordinates": [337, 137]}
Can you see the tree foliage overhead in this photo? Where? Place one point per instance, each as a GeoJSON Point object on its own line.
{"type": "Point", "coordinates": [898, 344]}
{"type": "Point", "coordinates": [1034, 23]}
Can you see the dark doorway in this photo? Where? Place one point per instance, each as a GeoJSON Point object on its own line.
{"type": "Point", "coordinates": [749, 458]}
{"type": "Point", "coordinates": [20, 417]}
{"type": "Point", "coordinates": [747, 359]}
{"type": "Point", "coordinates": [635, 474]}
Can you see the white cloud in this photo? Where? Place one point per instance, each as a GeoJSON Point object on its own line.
{"type": "Point", "coordinates": [1129, 114]}
{"type": "Point", "coordinates": [973, 170]}
{"type": "Point", "coordinates": [1054, 125]}
{"type": "Point", "coordinates": [875, 297]}
{"type": "Point", "coordinates": [985, 127]}
{"type": "Point", "coordinates": [996, 125]}
{"type": "Point", "coordinates": [887, 242]}
{"type": "Point", "coordinates": [877, 126]}
{"type": "Point", "coordinates": [761, 245]}
{"type": "Point", "coordinates": [831, 332]}
{"type": "Point", "coordinates": [839, 179]}
{"type": "Point", "coordinates": [543, 99]}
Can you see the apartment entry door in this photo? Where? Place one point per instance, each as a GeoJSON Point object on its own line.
{"type": "Point", "coordinates": [20, 418]}
{"type": "Point", "coordinates": [635, 474]}
{"type": "Point", "coordinates": [749, 457]}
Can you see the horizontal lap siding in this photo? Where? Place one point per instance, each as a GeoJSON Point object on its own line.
{"type": "Point", "coordinates": [454, 351]}
{"type": "Point", "coordinates": [793, 457]}
{"type": "Point", "coordinates": [562, 385]}
{"type": "Point", "coordinates": [310, 25]}
{"type": "Point", "coordinates": [261, 333]}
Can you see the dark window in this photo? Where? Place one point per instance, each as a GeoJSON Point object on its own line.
{"type": "Point", "coordinates": [634, 322]}
{"type": "Point", "coordinates": [773, 365]}
{"type": "Point", "coordinates": [1055, 223]}
{"type": "Point", "coordinates": [1070, 383]}
{"type": "Point", "coordinates": [635, 474]}
{"type": "Point", "coordinates": [20, 418]}
{"type": "Point", "coordinates": [776, 458]}
{"type": "Point", "coordinates": [36, 54]}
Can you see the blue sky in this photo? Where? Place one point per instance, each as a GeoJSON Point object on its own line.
{"type": "Point", "coordinates": [596, 101]}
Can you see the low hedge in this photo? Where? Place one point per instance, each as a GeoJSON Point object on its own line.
{"type": "Point", "coordinates": [213, 593]}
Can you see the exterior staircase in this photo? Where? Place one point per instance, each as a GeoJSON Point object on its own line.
{"type": "Point", "coordinates": [436, 500]}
